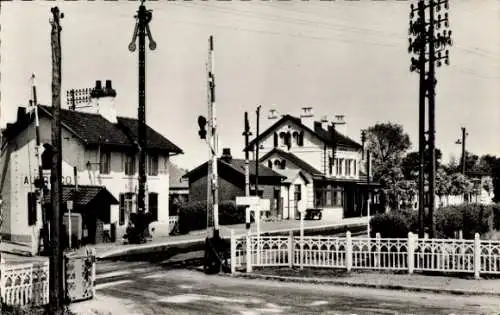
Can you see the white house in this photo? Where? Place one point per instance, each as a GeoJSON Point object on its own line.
{"type": "Point", "coordinates": [301, 149]}
{"type": "Point", "coordinates": [103, 148]}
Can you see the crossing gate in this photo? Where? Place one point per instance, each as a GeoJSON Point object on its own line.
{"type": "Point", "coordinates": [80, 276]}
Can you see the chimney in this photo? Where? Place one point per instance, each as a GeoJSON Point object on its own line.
{"type": "Point", "coordinates": [324, 123]}
{"type": "Point", "coordinates": [340, 124]}
{"type": "Point", "coordinates": [307, 117]}
{"type": "Point", "coordinates": [21, 113]}
{"type": "Point", "coordinates": [226, 155]}
{"type": "Point", "coordinates": [103, 101]}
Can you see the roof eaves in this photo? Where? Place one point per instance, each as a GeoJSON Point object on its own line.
{"type": "Point", "coordinates": [66, 126]}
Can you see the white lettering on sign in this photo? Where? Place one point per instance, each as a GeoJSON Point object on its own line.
{"type": "Point", "coordinates": [30, 180]}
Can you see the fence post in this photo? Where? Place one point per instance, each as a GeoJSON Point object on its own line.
{"type": "Point", "coordinates": [477, 255]}
{"type": "Point", "coordinates": [249, 251]}
{"type": "Point", "coordinates": [290, 249]}
{"type": "Point", "coordinates": [348, 251]}
{"type": "Point", "coordinates": [377, 257]}
{"type": "Point", "coordinates": [410, 253]}
{"type": "Point", "coordinates": [233, 252]}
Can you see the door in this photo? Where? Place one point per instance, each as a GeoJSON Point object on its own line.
{"type": "Point", "coordinates": [297, 196]}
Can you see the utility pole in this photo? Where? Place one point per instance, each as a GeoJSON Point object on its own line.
{"type": "Point", "coordinates": [56, 279]}
{"type": "Point", "coordinates": [247, 135]}
{"type": "Point", "coordinates": [257, 152]}
{"type": "Point", "coordinates": [40, 182]}
{"type": "Point", "coordinates": [425, 36]}
{"type": "Point", "coordinates": [462, 142]}
{"type": "Point", "coordinates": [143, 18]}
{"type": "Point", "coordinates": [213, 136]}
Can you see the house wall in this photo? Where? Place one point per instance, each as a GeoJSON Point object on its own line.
{"type": "Point", "coordinates": [22, 169]}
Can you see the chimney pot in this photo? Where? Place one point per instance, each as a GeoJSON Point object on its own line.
{"type": "Point", "coordinates": [226, 154]}
{"type": "Point", "coordinates": [108, 84]}
{"type": "Point", "coordinates": [98, 85]}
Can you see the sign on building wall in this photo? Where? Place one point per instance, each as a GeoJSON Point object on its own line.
{"type": "Point", "coordinates": [30, 180]}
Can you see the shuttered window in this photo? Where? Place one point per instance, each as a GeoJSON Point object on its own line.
{"type": "Point", "coordinates": [31, 208]}
{"type": "Point", "coordinates": [121, 215]}
{"type": "Point", "coordinates": [153, 205]}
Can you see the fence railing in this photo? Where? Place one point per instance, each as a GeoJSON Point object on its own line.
{"type": "Point", "coordinates": [408, 254]}
{"type": "Point", "coordinates": [23, 284]}
{"type": "Point", "coordinates": [27, 283]}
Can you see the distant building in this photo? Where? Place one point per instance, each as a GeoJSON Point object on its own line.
{"type": "Point", "coordinates": [103, 148]}
{"type": "Point", "coordinates": [178, 188]}
{"type": "Point", "coordinates": [301, 150]}
{"type": "Point", "coordinates": [232, 182]}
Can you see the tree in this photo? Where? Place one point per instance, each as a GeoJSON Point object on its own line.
{"type": "Point", "coordinates": [460, 184]}
{"type": "Point", "coordinates": [388, 143]}
{"type": "Point", "coordinates": [410, 163]}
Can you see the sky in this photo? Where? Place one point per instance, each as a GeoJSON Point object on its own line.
{"type": "Point", "coordinates": [339, 57]}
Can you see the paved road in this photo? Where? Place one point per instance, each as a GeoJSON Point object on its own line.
{"type": "Point", "coordinates": [146, 288]}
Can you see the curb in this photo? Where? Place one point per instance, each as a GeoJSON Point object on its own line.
{"type": "Point", "coordinates": [363, 285]}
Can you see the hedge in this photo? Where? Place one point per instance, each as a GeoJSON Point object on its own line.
{"type": "Point", "coordinates": [193, 215]}
{"type": "Point", "coordinates": [470, 218]}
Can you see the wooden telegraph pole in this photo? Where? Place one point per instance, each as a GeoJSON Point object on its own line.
{"type": "Point", "coordinates": [56, 278]}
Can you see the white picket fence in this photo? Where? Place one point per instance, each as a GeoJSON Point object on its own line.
{"type": "Point", "coordinates": [23, 284]}
{"type": "Point", "coordinates": [409, 254]}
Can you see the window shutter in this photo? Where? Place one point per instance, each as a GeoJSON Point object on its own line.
{"type": "Point", "coordinates": [270, 164]}
{"type": "Point", "coordinates": [283, 164]}
{"type": "Point", "coordinates": [153, 205]}
{"type": "Point", "coordinates": [275, 139]}
{"type": "Point", "coordinates": [121, 215]}
{"type": "Point", "coordinates": [31, 208]}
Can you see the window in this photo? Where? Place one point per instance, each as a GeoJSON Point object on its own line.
{"type": "Point", "coordinates": [338, 167]}
{"type": "Point", "coordinates": [130, 164]}
{"type": "Point", "coordinates": [328, 195]}
{"type": "Point", "coordinates": [153, 205]}
{"type": "Point", "coordinates": [298, 192]}
{"type": "Point", "coordinates": [126, 206]}
{"type": "Point", "coordinates": [105, 162]}
{"type": "Point", "coordinates": [348, 163]}
{"type": "Point", "coordinates": [153, 165]}
{"type": "Point", "coordinates": [252, 192]}
{"type": "Point", "coordinates": [355, 165]}
{"type": "Point", "coordinates": [31, 208]}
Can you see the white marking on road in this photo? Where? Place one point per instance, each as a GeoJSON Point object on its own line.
{"type": "Point", "coordinates": [113, 274]}
{"type": "Point", "coordinates": [183, 298]}
{"type": "Point", "coordinates": [185, 286]}
{"type": "Point", "coordinates": [318, 303]}
{"type": "Point", "coordinates": [155, 276]}
{"type": "Point", "coordinates": [249, 313]}
{"type": "Point", "coordinates": [110, 284]}
{"type": "Point", "coordinates": [186, 298]}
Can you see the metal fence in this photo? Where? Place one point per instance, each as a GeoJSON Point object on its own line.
{"type": "Point", "coordinates": [23, 284]}
{"type": "Point", "coordinates": [27, 284]}
{"type": "Point", "coordinates": [408, 254]}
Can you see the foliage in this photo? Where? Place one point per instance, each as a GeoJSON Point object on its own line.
{"type": "Point", "coordinates": [443, 182]}
{"type": "Point", "coordinates": [193, 215]}
{"type": "Point", "coordinates": [460, 184]}
{"type": "Point", "coordinates": [394, 224]}
{"type": "Point", "coordinates": [470, 218]}
{"type": "Point", "coordinates": [410, 163]}
{"type": "Point", "coordinates": [388, 143]}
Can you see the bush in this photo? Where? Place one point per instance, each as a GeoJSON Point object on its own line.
{"type": "Point", "coordinates": [193, 215]}
{"type": "Point", "coordinates": [394, 224]}
{"type": "Point", "coordinates": [470, 218]}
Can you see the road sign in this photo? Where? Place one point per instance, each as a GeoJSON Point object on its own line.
{"type": "Point", "coordinates": [247, 201]}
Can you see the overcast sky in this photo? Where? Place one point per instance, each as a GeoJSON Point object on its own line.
{"type": "Point", "coordinates": [339, 57]}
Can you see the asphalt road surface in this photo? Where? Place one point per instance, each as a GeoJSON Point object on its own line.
{"type": "Point", "coordinates": [149, 288]}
